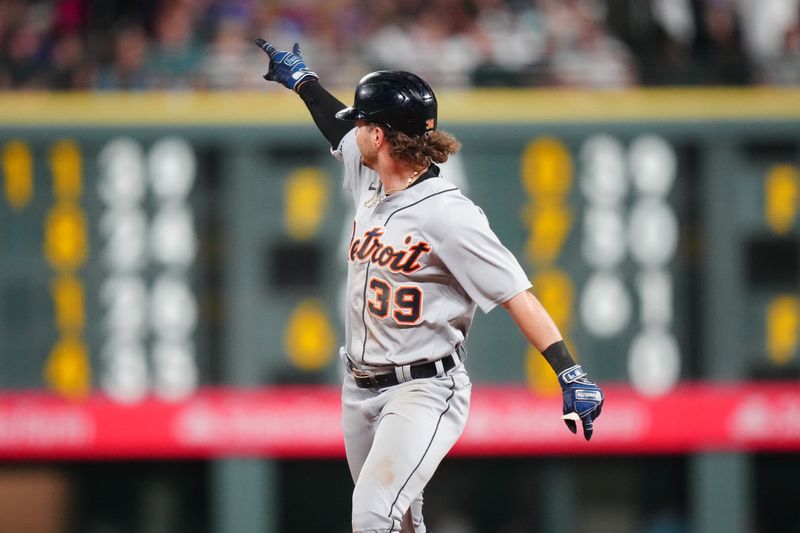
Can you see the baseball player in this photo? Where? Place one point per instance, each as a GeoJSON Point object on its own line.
{"type": "Point", "coordinates": [421, 259]}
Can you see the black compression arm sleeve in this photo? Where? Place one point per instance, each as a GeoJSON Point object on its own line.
{"type": "Point", "coordinates": [323, 106]}
{"type": "Point", "coordinates": [559, 357]}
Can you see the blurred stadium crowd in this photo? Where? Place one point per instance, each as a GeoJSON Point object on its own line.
{"type": "Point", "coordinates": [207, 44]}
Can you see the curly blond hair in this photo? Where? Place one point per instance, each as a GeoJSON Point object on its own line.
{"type": "Point", "coordinates": [434, 146]}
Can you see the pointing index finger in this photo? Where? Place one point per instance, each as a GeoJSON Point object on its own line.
{"type": "Point", "coordinates": [264, 45]}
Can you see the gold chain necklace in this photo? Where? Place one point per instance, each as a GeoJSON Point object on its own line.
{"type": "Point", "coordinates": [375, 197]}
{"type": "Point", "coordinates": [408, 183]}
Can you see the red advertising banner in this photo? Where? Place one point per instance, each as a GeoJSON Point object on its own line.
{"type": "Point", "coordinates": [303, 421]}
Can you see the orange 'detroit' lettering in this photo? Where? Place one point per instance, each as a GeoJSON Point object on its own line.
{"type": "Point", "coordinates": [370, 248]}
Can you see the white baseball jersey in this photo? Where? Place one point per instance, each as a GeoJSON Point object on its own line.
{"type": "Point", "coordinates": [420, 262]}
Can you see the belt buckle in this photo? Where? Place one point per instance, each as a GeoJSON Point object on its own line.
{"type": "Point", "coordinates": [369, 376]}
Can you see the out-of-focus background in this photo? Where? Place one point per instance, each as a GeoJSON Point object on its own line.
{"type": "Point", "coordinates": [204, 44]}
{"type": "Point", "coordinates": [172, 256]}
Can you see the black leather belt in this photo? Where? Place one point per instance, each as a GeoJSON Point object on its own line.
{"type": "Point", "coordinates": [372, 380]}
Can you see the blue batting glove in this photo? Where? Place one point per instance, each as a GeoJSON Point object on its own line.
{"type": "Point", "coordinates": [583, 400]}
{"type": "Point", "coordinates": [287, 68]}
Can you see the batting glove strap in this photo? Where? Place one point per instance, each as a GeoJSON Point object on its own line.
{"type": "Point", "coordinates": [571, 375]}
{"type": "Point", "coordinates": [287, 68]}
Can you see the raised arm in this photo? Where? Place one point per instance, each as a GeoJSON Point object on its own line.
{"type": "Point", "coordinates": [583, 400]}
{"type": "Point", "coordinates": [289, 69]}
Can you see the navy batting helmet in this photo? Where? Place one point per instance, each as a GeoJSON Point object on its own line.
{"type": "Point", "coordinates": [400, 100]}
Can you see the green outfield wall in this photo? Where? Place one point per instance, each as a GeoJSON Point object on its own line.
{"type": "Point", "coordinates": [660, 228]}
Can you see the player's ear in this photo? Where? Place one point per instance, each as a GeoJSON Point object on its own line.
{"type": "Point", "coordinates": [378, 136]}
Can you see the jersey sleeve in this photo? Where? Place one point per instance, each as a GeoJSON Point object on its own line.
{"type": "Point", "coordinates": [486, 270]}
{"type": "Point", "coordinates": [347, 153]}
